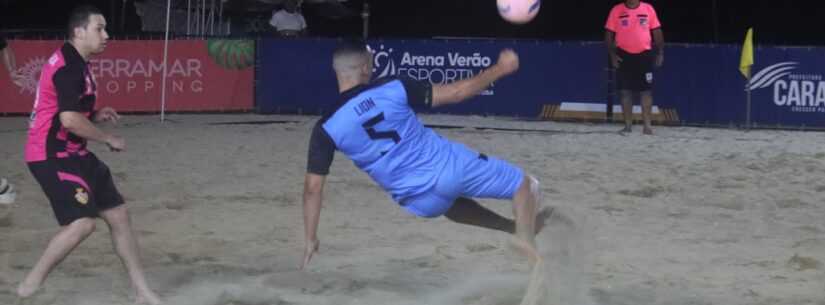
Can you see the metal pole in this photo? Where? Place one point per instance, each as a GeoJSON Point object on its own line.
{"type": "Point", "coordinates": [203, 18]}
{"type": "Point", "coordinates": [188, 17]}
{"type": "Point", "coordinates": [220, 18]}
{"type": "Point", "coordinates": [212, 17]}
{"type": "Point", "coordinates": [365, 15]}
{"type": "Point", "coordinates": [748, 107]}
{"type": "Point", "coordinates": [165, 63]}
{"type": "Point", "coordinates": [197, 19]}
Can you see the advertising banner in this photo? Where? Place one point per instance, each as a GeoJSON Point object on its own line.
{"type": "Point", "coordinates": [698, 84]}
{"type": "Point", "coordinates": [213, 75]}
{"type": "Point", "coordinates": [298, 76]}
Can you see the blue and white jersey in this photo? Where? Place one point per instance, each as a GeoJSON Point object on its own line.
{"type": "Point", "coordinates": [376, 127]}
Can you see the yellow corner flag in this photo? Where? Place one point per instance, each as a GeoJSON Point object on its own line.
{"type": "Point", "coordinates": [747, 55]}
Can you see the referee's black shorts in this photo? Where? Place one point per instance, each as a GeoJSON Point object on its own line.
{"type": "Point", "coordinates": [77, 187]}
{"type": "Point", "coordinates": [635, 72]}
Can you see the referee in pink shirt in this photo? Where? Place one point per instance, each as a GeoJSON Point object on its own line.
{"type": "Point", "coordinates": [629, 44]}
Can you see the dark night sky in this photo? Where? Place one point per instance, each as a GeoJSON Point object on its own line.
{"type": "Point", "coordinates": [788, 22]}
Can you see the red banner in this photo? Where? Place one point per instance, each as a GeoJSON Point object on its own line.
{"type": "Point", "coordinates": [213, 75]}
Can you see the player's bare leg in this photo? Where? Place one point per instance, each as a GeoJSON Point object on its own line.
{"type": "Point", "coordinates": [525, 204]}
{"type": "Point", "coordinates": [627, 109]}
{"type": "Point", "coordinates": [59, 247]}
{"type": "Point", "coordinates": [528, 220]}
{"type": "Point", "coordinates": [125, 245]}
{"type": "Point", "coordinates": [469, 212]}
{"type": "Point", "coordinates": [647, 106]}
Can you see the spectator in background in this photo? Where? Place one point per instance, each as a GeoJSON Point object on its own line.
{"type": "Point", "coordinates": [628, 38]}
{"type": "Point", "coordinates": [288, 21]}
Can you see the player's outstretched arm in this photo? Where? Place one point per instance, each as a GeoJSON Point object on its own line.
{"type": "Point", "coordinates": [458, 91]}
{"type": "Point", "coordinates": [313, 195]}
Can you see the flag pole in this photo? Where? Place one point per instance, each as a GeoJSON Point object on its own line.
{"type": "Point", "coordinates": [745, 64]}
{"type": "Point", "coordinates": [748, 108]}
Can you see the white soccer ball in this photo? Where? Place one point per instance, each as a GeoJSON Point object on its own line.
{"type": "Point", "coordinates": [518, 11]}
{"type": "Point", "coordinates": [7, 194]}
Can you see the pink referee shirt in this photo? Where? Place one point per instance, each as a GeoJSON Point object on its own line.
{"type": "Point", "coordinates": [632, 26]}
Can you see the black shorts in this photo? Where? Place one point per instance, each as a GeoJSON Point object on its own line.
{"type": "Point", "coordinates": [77, 187]}
{"type": "Point", "coordinates": [635, 72]}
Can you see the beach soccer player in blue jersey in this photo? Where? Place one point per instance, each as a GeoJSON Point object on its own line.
{"type": "Point", "coordinates": [374, 124]}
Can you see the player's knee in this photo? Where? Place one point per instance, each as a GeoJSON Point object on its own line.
{"type": "Point", "coordinates": [534, 185]}
{"type": "Point", "coordinates": [529, 186]}
{"type": "Point", "coordinates": [118, 215]}
{"type": "Point", "coordinates": [83, 226]}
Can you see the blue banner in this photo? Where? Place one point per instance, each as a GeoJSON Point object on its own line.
{"type": "Point", "coordinates": [788, 88]}
{"type": "Point", "coordinates": [698, 84]}
{"type": "Point", "coordinates": [701, 84]}
{"type": "Point", "coordinates": [704, 85]}
{"type": "Point", "coordinates": [296, 75]}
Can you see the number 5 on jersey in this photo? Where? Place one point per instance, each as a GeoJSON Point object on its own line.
{"type": "Point", "coordinates": [378, 135]}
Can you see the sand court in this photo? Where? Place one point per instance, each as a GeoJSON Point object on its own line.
{"type": "Point", "coordinates": [688, 216]}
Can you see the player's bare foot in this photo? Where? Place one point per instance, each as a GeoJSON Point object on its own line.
{"type": "Point", "coordinates": [148, 298]}
{"type": "Point", "coordinates": [26, 289]}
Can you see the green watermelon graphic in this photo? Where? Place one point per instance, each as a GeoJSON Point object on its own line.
{"type": "Point", "coordinates": [232, 54]}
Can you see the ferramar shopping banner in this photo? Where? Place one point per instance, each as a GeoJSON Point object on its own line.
{"type": "Point", "coordinates": [201, 75]}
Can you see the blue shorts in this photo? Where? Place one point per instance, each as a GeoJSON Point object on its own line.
{"type": "Point", "coordinates": [466, 174]}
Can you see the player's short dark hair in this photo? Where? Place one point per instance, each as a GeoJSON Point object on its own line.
{"type": "Point", "coordinates": [350, 47]}
{"type": "Point", "coordinates": [79, 17]}
{"type": "Point", "coordinates": [349, 56]}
